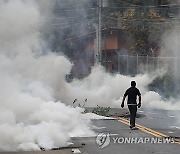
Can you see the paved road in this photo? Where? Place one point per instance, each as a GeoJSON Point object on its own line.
{"type": "Point", "coordinates": [162, 121]}
{"type": "Point", "coordinates": [166, 122]}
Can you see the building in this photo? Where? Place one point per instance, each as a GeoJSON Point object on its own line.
{"type": "Point", "coordinates": [82, 50]}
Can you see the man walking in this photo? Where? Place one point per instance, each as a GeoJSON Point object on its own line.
{"type": "Point", "coordinates": [132, 94]}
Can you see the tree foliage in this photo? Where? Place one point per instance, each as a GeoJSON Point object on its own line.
{"type": "Point", "coordinates": [145, 25]}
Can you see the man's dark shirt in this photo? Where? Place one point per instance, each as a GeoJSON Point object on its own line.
{"type": "Point", "coordinates": [132, 94]}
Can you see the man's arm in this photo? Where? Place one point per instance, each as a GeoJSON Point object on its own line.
{"type": "Point", "coordinates": [124, 97]}
{"type": "Point", "coordinates": [122, 104]}
{"type": "Point", "coordinates": [139, 104]}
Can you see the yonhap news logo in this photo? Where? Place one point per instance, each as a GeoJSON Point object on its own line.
{"type": "Point", "coordinates": [103, 140]}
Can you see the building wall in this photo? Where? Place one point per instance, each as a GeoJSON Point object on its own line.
{"type": "Point", "coordinates": [110, 43]}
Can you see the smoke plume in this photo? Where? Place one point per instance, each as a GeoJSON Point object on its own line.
{"type": "Point", "coordinates": [34, 95]}
{"type": "Point", "coordinates": [31, 78]}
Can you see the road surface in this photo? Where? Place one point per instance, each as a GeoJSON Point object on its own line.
{"type": "Point", "coordinates": [113, 135]}
{"type": "Point", "coordinates": [153, 124]}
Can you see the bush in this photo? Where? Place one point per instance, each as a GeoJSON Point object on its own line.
{"type": "Point", "coordinates": [164, 85]}
{"type": "Point", "coordinates": [101, 110]}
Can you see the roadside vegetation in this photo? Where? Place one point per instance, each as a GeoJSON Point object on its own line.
{"type": "Point", "coordinates": [165, 86]}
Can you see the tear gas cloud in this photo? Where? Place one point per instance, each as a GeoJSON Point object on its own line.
{"type": "Point", "coordinates": [34, 96]}
{"type": "Point", "coordinates": [106, 90]}
{"type": "Point", "coordinates": [31, 116]}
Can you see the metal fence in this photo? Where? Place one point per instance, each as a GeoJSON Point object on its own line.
{"type": "Point", "coordinates": [125, 64]}
{"type": "Point", "coordinates": [132, 65]}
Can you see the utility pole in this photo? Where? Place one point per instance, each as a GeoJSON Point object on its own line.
{"type": "Point", "coordinates": [100, 31]}
{"type": "Point", "coordinates": [98, 53]}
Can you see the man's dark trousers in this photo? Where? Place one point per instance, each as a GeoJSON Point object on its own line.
{"type": "Point", "coordinates": [132, 110]}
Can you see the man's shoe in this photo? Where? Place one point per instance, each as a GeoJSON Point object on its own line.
{"type": "Point", "coordinates": [134, 128]}
{"type": "Point", "coordinates": [131, 127]}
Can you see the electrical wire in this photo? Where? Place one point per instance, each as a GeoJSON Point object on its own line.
{"type": "Point", "coordinates": [122, 2]}
{"type": "Point", "coordinates": [68, 39]}
{"type": "Point", "coordinates": [64, 4]}
{"type": "Point", "coordinates": [60, 18]}
{"type": "Point", "coordinates": [74, 6]}
{"type": "Point", "coordinates": [104, 8]}
{"type": "Point", "coordinates": [163, 5]}
{"type": "Point", "coordinates": [73, 10]}
{"type": "Point", "coordinates": [163, 19]}
{"type": "Point", "coordinates": [57, 24]}
{"type": "Point", "coordinates": [130, 7]}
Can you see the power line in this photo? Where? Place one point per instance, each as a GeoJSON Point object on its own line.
{"type": "Point", "coordinates": [122, 2]}
{"type": "Point", "coordinates": [125, 19]}
{"type": "Point", "coordinates": [72, 22]}
{"type": "Point", "coordinates": [61, 18]}
{"type": "Point", "coordinates": [72, 38]}
{"type": "Point", "coordinates": [109, 7]}
{"type": "Point", "coordinates": [132, 7]}
{"type": "Point", "coordinates": [73, 6]}
{"type": "Point", "coordinates": [72, 10]}
{"type": "Point", "coordinates": [162, 5]}
{"type": "Point", "coordinates": [64, 4]}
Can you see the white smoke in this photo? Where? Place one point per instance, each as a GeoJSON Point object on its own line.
{"type": "Point", "coordinates": [30, 115]}
{"type": "Point", "coordinates": [104, 89]}
{"type": "Point", "coordinates": [33, 87]}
